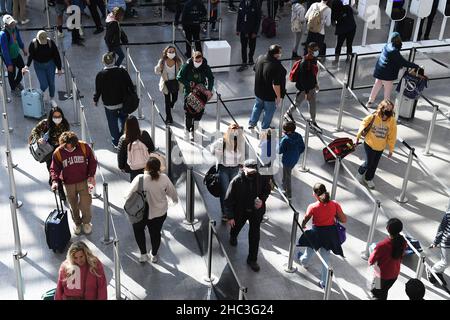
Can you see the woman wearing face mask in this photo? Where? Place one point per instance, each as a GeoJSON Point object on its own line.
{"type": "Point", "coordinates": [387, 68]}
{"type": "Point", "coordinates": [81, 275]}
{"type": "Point", "coordinates": [49, 130]}
{"type": "Point", "coordinates": [167, 67]}
{"type": "Point", "coordinates": [382, 131]}
{"type": "Point", "coordinates": [195, 71]}
{"type": "Point", "coordinates": [230, 154]}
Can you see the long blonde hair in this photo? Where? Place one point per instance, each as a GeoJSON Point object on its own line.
{"type": "Point", "coordinates": [228, 138]}
{"type": "Point", "coordinates": [91, 260]}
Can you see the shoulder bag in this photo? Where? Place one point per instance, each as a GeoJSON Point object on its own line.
{"type": "Point", "coordinates": [369, 126]}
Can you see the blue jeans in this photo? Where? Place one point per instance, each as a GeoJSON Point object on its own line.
{"type": "Point", "coordinates": [45, 73]}
{"type": "Point", "coordinates": [6, 6]}
{"type": "Point", "coordinates": [269, 109]}
{"type": "Point", "coordinates": [115, 117]}
{"type": "Point", "coordinates": [306, 257]}
{"type": "Point", "coordinates": [226, 174]}
{"type": "Point", "coordinates": [370, 165]}
{"type": "Point", "coordinates": [120, 55]}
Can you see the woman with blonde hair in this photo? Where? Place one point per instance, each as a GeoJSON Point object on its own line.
{"type": "Point", "coordinates": [230, 154]}
{"type": "Point", "coordinates": [168, 66]}
{"type": "Point", "coordinates": [81, 275]}
{"type": "Point", "coordinates": [381, 131]}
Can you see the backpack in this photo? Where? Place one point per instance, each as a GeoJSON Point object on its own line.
{"type": "Point", "coordinates": [293, 75]}
{"type": "Point", "coordinates": [136, 205]}
{"type": "Point", "coordinates": [137, 155]}
{"type": "Point", "coordinates": [212, 181]}
{"type": "Point", "coordinates": [82, 144]}
{"type": "Point", "coordinates": [315, 19]}
{"type": "Point", "coordinates": [269, 27]}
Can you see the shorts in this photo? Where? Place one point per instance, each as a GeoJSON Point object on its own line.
{"type": "Point", "coordinates": [60, 8]}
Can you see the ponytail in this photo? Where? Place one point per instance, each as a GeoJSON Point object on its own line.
{"type": "Point", "coordinates": [321, 192]}
{"type": "Point", "coordinates": [394, 227]}
{"type": "Point", "coordinates": [153, 167]}
{"type": "Point", "coordinates": [324, 197]}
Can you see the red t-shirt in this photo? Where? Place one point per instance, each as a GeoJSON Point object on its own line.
{"type": "Point", "coordinates": [323, 214]}
{"type": "Point", "coordinates": [382, 255]}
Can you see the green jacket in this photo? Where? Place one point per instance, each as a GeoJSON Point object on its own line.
{"type": "Point", "coordinates": [202, 74]}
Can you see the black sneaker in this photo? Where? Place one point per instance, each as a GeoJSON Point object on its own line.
{"type": "Point", "coordinates": [441, 277]}
{"type": "Point", "coordinates": [242, 68]}
{"type": "Point", "coordinates": [251, 126]}
{"type": "Point", "coordinates": [253, 265]}
{"type": "Point", "coordinates": [431, 278]}
{"type": "Point", "coordinates": [78, 43]}
{"type": "Point", "coordinates": [288, 117]}
{"type": "Point", "coordinates": [99, 30]}
{"type": "Point", "coordinates": [233, 241]}
{"type": "Point", "coordinates": [232, 9]}
{"type": "Point", "coordinates": [316, 127]}
{"type": "Point", "coordinates": [251, 62]}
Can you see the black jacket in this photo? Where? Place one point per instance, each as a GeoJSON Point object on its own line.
{"type": "Point", "coordinates": [269, 71]}
{"type": "Point", "coordinates": [122, 154]}
{"type": "Point", "coordinates": [194, 12]}
{"type": "Point", "coordinates": [44, 53]}
{"type": "Point", "coordinates": [249, 17]}
{"type": "Point", "coordinates": [242, 192]}
{"type": "Point", "coordinates": [343, 16]}
{"type": "Point", "coordinates": [112, 84]}
{"type": "Point", "coordinates": [114, 35]}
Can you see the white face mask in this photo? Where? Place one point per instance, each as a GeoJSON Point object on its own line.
{"type": "Point", "coordinates": [197, 64]}
{"type": "Point", "coordinates": [171, 55]}
{"type": "Point", "coordinates": [316, 53]}
{"type": "Point", "coordinates": [57, 120]}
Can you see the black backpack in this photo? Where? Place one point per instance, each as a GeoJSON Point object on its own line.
{"type": "Point", "coordinates": [212, 181]}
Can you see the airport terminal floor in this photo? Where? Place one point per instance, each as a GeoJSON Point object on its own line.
{"type": "Point", "coordinates": [196, 260]}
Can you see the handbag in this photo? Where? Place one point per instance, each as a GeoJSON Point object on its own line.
{"type": "Point", "coordinates": [212, 181]}
{"type": "Point", "coordinates": [341, 232]}
{"type": "Point", "coordinates": [41, 151]}
{"type": "Point", "coordinates": [130, 102]}
{"type": "Point", "coordinates": [196, 99]}
{"type": "Point", "coordinates": [136, 205]}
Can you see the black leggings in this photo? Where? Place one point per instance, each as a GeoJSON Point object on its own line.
{"type": "Point", "coordinates": [170, 99]}
{"type": "Point", "coordinates": [154, 229]}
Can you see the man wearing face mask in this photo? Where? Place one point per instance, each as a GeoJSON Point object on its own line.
{"type": "Point", "coordinates": [74, 163]}
{"type": "Point", "coordinates": [270, 86]}
{"type": "Point", "coordinates": [245, 200]}
{"type": "Point", "coordinates": [382, 132]}
{"type": "Point", "coordinates": [307, 84]}
{"type": "Point", "coordinates": [387, 68]}
{"type": "Point", "coordinates": [195, 71]}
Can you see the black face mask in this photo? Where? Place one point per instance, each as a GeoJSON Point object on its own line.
{"type": "Point", "coordinates": [388, 113]}
{"type": "Point", "coordinates": [251, 176]}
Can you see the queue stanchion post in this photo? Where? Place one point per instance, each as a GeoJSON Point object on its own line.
{"type": "Point", "coordinates": [218, 112]}
{"type": "Point", "coordinates": [208, 25]}
{"type": "Point", "coordinates": [431, 131]}
{"type": "Point", "coordinates": [138, 92]}
{"type": "Point", "coordinates": [190, 197]}
{"type": "Point", "coordinates": [376, 210]}
{"type": "Point", "coordinates": [173, 33]}
{"type": "Point", "coordinates": [19, 278]}
{"type": "Point", "coordinates": [289, 267]}
{"type": "Point", "coordinates": [15, 224]}
{"type": "Point", "coordinates": [337, 166]}
{"type": "Point", "coordinates": [303, 167]}
{"type": "Point", "coordinates": [153, 119]}
{"type": "Point", "coordinates": [220, 28]}
{"type": "Point", "coordinates": [210, 278]}
{"type": "Point", "coordinates": [117, 269]}
{"type": "Point", "coordinates": [328, 284]}
{"type": "Point", "coordinates": [107, 216]}
{"type": "Point", "coordinates": [420, 266]}
{"type": "Point", "coordinates": [9, 163]}
{"type": "Point", "coordinates": [169, 150]}
{"type": "Point", "coordinates": [242, 292]}
{"type": "Point", "coordinates": [47, 14]}
{"type": "Point", "coordinates": [67, 95]}
{"type": "Point", "coordinates": [75, 102]}
{"type": "Point", "coordinates": [82, 123]}
{"type": "Point", "coordinates": [128, 60]}
{"type": "Point", "coordinates": [341, 107]}
{"type": "Point", "coordinates": [441, 33]}
{"type": "Point", "coordinates": [4, 90]}
{"type": "Point", "coordinates": [402, 197]}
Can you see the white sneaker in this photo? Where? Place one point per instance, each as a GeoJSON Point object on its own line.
{"type": "Point", "coordinates": [370, 184]}
{"type": "Point", "coordinates": [143, 258]}
{"type": "Point", "coordinates": [53, 103]}
{"type": "Point", "coordinates": [154, 258]}
{"type": "Point", "coordinates": [60, 34]}
{"type": "Point", "coordinates": [191, 135]}
{"type": "Point", "coordinates": [360, 177]}
{"type": "Point", "coordinates": [87, 228]}
{"type": "Point", "coordinates": [77, 230]}
{"type": "Point", "coordinates": [25, 21]}
{"type": "Point", "coordinates": [81, 31]}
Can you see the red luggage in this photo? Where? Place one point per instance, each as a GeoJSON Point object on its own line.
{"type": "Point", "coordinates": [341, 147]}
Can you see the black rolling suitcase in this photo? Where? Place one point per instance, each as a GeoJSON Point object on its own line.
{"type": "Point", "coordinates": [405, 27]}
{"type": "Point", "coordinates": [57, 230]}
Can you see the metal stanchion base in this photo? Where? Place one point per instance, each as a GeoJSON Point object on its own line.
{"type": "Point", "coordinates": [364, 255]}
{"type": "Point", "coordinates": [141, 117]}
{"type": "Point", "coordinates": [8, 100]}
{"type": "Point", "coordinates": [14, 166]}
{"type": "Point", "coordinates": [400, 200]}
{"type": "Point", "coordinates": [428, 154]}
{"type": "Point", "coordinates": [265, 219]}
{"type": "Point", "coordinates": [303, 169]}
{"type": "Point", "coordinates": [107, 241]}
{"type": "Point", "coordinates": [289, 270]}
{"type": "Point", "coordinates": [212, 280]}
{"type": "Point", "coordinates": [19, 204]}
{"type": "Point", "coordinates": [9, 129]}
{"type": "Point", "coordinates": [96, 196]}
{"type": "Point", "coordinates": [20, 255]}
{"type": "Point", "coordinates": [190, 223]}
{"type": "Point", "coordinates": [340, 129]}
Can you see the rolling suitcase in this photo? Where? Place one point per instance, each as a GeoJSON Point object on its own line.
{"type": "Point", "coordinates": [341, 147]}
{"type": "Point", "coordinates": [32, 102]}
{"type": "Point", "coordinates": [405, 27]}
{"type": "Point", "coordinates": [57, 230]}
{"type": "Point", "coordinates": [269, 27]}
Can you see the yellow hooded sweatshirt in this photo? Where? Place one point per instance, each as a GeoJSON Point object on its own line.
{"type": "Point", "coordinates": [381, 132]}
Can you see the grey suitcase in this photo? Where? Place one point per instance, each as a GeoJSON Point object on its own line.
{"type": "Point", "coordinates": [32, 101]}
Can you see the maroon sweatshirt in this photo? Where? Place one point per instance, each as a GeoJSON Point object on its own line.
{"type": "Point", "coordinates": [74, 166]}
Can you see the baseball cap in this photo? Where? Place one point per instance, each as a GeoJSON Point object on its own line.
{"type": "Point", "coordinates": [251, 164]}
{"type": "Point", "coordinates": [7, 19]}
{"type": "Point", "coordinates": [42, 37]}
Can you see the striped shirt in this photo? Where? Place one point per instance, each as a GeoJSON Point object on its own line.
{"type": "Point", "coordinates": [443, 235]}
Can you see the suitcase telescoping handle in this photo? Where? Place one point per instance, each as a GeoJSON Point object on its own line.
{"type": "Point", "coordinates": [60, 211]}
{"type": "Point", "coordinates": [29, 79]}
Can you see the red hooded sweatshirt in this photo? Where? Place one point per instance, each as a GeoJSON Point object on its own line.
{"type": "Point", "coordinates": [81, 283]}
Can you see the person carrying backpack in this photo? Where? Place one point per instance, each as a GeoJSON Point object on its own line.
{"type": "Point", "coordinates": [11, 44]}
{"type": "Point", "coordinates": [318, 16]}
{"type": "Point", "coordinates": [114, 35]}
{"type": "Point", "coordinates": [134, 148]}
{"type": "Point", "coordinates": [195, 71]}
{"type": "Point", "coordinates": [297, 22]}
{"type": "Point", "coordinates": [306, 82]}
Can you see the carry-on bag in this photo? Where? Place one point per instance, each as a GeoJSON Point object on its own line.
{"type": "Point", "coordinates": [57, 230]}
{"type": "Point", "coordinates": [41, 151]}
{"type": "Point", "coordinates": [32, 101]}
{"type": "Point", "coordinates": [269, 27]}
{"type": "Point", "coordinates": [341, 147]}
